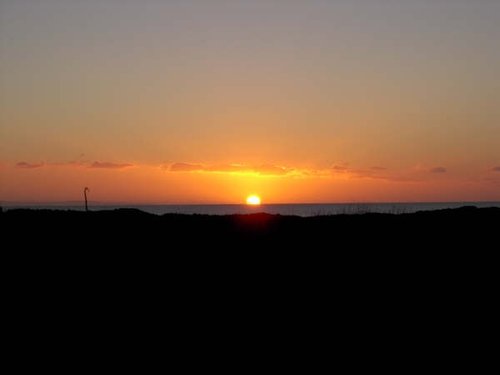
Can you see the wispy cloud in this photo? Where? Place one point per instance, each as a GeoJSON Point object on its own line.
{"type": "Point", "coordinates": [68, 164]}
{"type": "Point", "coordinates": [263, 169]}
{"type": "Point", "coordinates": [269, 169]}
{"type": "Point", "coordinates": [438, 170]}
{"type": "Point", "coordinates": [79, 164]}
{"type": "Point", "coordinates": [383, 174]}
{"type": "Point", "coordinates": [185, 167]}
{"type": "Point", "coordinates": [340, 168]}
{"type": "Point", "coordinates": [25, 165]}
{"type": "Point", "coordinates": [108, 165]}
{"type": "Point", "coordinates": [345, 170]}
{"type": "Point", "coordinates": [374, 173]}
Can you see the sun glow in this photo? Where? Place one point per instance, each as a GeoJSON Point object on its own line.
{"type": "Point", "coordinates": [253, 200]}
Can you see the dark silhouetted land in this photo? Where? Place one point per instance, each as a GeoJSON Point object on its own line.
{"type": "Point", "coordinates": [427, 272]}
{"type": "Point", "coordinates": [130, 228]}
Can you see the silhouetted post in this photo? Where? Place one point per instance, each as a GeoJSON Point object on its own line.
{"type": "Point", "coordinates": [85, 195]}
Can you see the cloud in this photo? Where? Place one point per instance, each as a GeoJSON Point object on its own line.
{"type": "Point", "coordinates": [346, 170]}
{"type": "Point", "coordinates": [263, 169]}
{"type": "Point", "coordinates": [185, 167]}
{"type": "Point", "coordinates": [496, 169]}
{"type": "Point", "coordinates": [227, 168]}
{"type": "Point", "coordinates": [97, 164]}
{"type": "Point", "coordinates": [68, 164]}
{"type": "Point", "coordinates": [269, 169]}
{"type": "Point", "coordinates": [381, 174]}
{"type": "Point", "coordinates": [438, 170]}
{"type": "Point", "coordinates": [374, 173]}
{"type": "Point", "coordinates": [24, 165]}
{"type": "Point", "coordinates": [340, 168]}
{"type": "Point", "coordinates": [108, 165]}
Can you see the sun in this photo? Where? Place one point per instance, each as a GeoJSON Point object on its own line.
{"type": "Point", "coordinates": [253, 200]}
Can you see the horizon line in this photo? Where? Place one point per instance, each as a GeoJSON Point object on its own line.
{"type": "Point", "coordinates": [121, 203]}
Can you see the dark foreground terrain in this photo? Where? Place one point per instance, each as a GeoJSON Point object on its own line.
{"type": "Point", "coordinates": [428, 277]}
{"type": "Point", "coordinates": [133, 229]}
{"type": "Point", "coordinates": [420, 248]}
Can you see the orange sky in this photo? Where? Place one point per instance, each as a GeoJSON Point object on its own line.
{"type": "Point", "coordinates": [196, 183]}
{"type": "Point", "coordinates": [209, 101]}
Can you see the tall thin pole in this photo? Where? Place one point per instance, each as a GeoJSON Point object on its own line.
{"type": "Point", "coordinates": [85, 195]}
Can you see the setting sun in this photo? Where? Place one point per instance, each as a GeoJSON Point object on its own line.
{"type": "Point", "coordinates": [253, 200]}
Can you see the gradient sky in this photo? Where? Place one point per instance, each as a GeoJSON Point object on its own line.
{"type": "Point", "coordinates": [208, 101]}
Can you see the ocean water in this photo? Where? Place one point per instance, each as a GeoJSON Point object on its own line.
{"type": "Point", "coordinates": [282, 209]}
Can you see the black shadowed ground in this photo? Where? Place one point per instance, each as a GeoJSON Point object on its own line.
{"type": "Point", "coordinates": [127, 229]}
{"type": "Point", "coordinates": [339, 251]}
{"type": "Point", "coordinates": [427, 272]}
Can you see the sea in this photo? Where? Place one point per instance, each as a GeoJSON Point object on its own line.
{"type": "Point", "coordinates": [315, 209]}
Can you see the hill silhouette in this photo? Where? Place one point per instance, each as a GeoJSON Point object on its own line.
{"type": "Point", "coordinates": [60, 229]}
{"type": "Point", "coordinates": [353, 251]}
{"type": "Point", "coordinates": [427, 272]}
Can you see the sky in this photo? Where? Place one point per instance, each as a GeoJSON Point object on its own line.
{"type": "Point", "coordinates": [209, 101]}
